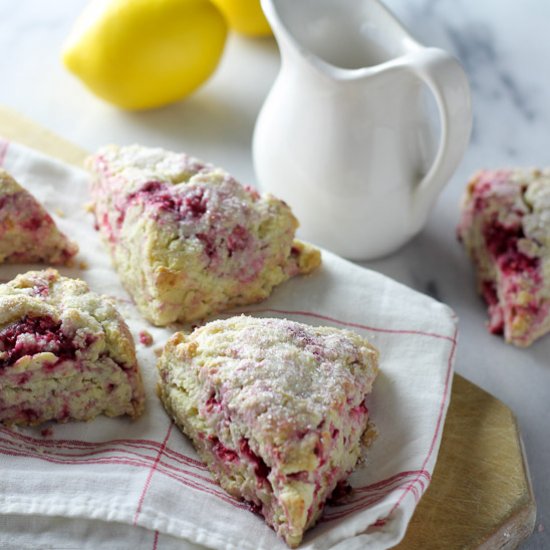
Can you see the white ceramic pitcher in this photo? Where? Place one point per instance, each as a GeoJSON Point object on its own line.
{"type": "Point", "coordinates": [344, 136]}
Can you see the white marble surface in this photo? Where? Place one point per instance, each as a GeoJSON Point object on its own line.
{"type": "Point", "coordinates": [505, 48]}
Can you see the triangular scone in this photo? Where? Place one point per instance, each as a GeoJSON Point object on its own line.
{"type": "Point", "coordinates": [186, 238]}
{"type": "Point", "coordinates": [28, 233]}
{"type": "Point", "coordinates": [65, 353]}
{"type": "Point", "coordinates": [505, 228]}
{"type": "Point", "coordinates": [275, 408]}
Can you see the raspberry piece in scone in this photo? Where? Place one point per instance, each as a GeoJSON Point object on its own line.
{"type": "Point", "coordinates": [275, 408]}
{"type": "Point", "coordinates": [28, 233]}
{"type": "Point", "coordinates": [505, 228]}
{"type": "Point", "coordinates": [186, 238]}
{"type": "Point", "coordinates": [65, 353]}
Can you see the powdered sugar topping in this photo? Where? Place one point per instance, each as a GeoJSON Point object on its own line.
{"type": "Point", "coordinates": [284, 374]}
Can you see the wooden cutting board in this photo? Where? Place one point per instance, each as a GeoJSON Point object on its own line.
{"type": "Point", "coordinates": [480, 496]}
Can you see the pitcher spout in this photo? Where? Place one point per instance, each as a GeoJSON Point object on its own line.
{"type": "Point", "coordinates": [338, 37]}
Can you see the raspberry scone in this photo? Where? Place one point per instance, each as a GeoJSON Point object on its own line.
{"type": "Point", "coordinates": [65, 353]}
{"type": "Point", "coordinates": [28, 233]}
{"type": "Point", "coordinates": [275, 408]}
{"type": "Point", "coordinates": [505, 228]}
{"type": "Point", "coordinates": [186, 238]}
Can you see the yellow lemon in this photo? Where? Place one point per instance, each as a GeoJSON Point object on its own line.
{"type": "Point", "coordinates": [245, 16]}
{"type": "Point", "coordinates": [140, 54]}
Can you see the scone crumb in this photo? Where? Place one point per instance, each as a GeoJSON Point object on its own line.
{"type": "Point", "coordinates": [83, 265]}
{"type": "Point", "coordinates": [307, 257]}
{"type": "Point", "coordinates": [367, 439]}
{"type": "Point", "coordinates": [46, 432]}
{"type": "Point", "coordinates": [146, 338]}
{"type": "Point", "coordinates": [59, 213]}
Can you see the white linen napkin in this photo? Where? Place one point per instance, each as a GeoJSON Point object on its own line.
{"type": "Point", "coordinates": [146, 474]}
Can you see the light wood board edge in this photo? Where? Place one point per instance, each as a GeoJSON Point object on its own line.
{"type": "Point", "coordinates": [480, 496]}
{"type": "Point", "coordinates": [521, 523]}
{"type": "Point", "coordinates": [16, 127]}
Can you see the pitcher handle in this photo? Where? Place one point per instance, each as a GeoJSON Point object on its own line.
{"type": "Point", "coordinates": [447, 81]}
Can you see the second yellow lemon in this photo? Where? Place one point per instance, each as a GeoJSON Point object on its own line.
{"type": "Point", "coordinates": [245, 16]}
{"type": "Point", "coordinates": [140, 54]}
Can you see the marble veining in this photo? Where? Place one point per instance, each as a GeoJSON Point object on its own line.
{"type": "Point", "coordinates": [476, 49]}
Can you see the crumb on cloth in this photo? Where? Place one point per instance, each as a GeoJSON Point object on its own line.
{"type": "Point", "coordinates": [46, 432]}
{"type": "Point", "coordinates": [146, 338]}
